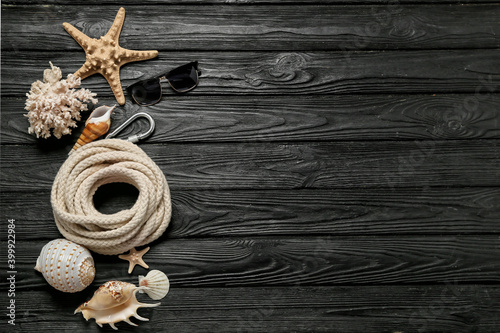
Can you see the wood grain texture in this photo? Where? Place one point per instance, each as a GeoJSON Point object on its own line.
{"type": "Point", "coordinates": [260, 27]}
{"type": "Point", "coordinates": [273, 212]}
{"type": "Point", "coordinates": [446, 308]}
{"type": "Point", "coordinates": [359, 165]}
{"type": "Point", "coordinates": [388, 4]}
{"type": "Point", "coordinates": [288, 73]}
{"type": "Point", "coordinates": [295, 118]}
{"type": "Point", "coordinates": [290, 261]}
{"type": "Point", "coordinates": [336, 169]}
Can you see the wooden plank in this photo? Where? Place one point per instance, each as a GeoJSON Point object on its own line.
{"type": "Point", "coordinates": [385, 165]}
{"type": "Point", "coordinates": [381, 233]}
{"type": "Point", "coordinates": [295, 118]}
{"type": "Point", "coordinates": [259, 27]}
{"type": "Point", "coordinates": [442, 308]}
{"type": "Point", "coordinates": [289, 73]}
{"type": "Point", "coordinates": [389, 5]}
{"type": "Point", "coordinates": [289, 261]}
{"type": "Point", "coordinates": [273, 212]}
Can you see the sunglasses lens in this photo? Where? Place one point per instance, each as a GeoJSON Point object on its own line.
{"type": "Point", "coordinates": [183, 78]}
{"type": "Point", "coordinates": [146, 92]}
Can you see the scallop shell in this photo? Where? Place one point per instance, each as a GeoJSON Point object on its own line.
{"type": "Point", "coordinates": [96, 125]}
{"type": "Point", "coordinates": [66, 266]}
{"type": "Point", "coordinates": [157, 283]}
{"type": "Point", "coordinates": [113, 302]}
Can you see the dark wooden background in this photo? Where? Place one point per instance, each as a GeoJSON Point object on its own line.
{"type": "Point", "coordinates": [336, 169]}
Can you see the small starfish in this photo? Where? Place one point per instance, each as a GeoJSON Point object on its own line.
{"type": "Point", "coordinates": [105, 56]}
{"type": "Point", "coordinates": [135, 258]}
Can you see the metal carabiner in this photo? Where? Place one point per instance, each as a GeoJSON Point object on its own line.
{"type": "Point", "coordinates": [136, 137]}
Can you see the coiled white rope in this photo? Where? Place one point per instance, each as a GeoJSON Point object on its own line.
{"type": "Point", "coordinates": [103, 162]}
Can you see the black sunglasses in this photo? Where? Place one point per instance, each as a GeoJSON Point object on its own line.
{"type": "Point", "coordinates": [182, 79]}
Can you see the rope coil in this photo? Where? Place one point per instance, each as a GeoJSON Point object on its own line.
{"type": "Point", "coordinates": [102, 162]}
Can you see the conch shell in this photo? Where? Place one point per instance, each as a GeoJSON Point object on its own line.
{"type": "Point", "coordinates": [96, 125]}
{"type": "Point", "coordinates": [113, 302]}
{"type": "Point", "coordinates": [157, 283]}
{"type": "Point", "coordinates": [66, 266]}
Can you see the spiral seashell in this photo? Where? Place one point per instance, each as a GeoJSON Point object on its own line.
{"type": "Point", "coordinates": [157, 283]}
{"type": "Point", "coordinates": [96, 125]}
{"type": "Point", "coordinates": [66, 266]}
{"type": "Point", "coordinates": [113, 302]}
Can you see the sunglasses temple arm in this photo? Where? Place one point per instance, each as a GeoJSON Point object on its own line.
{"type": "Point", "coordinates": [162, 76]}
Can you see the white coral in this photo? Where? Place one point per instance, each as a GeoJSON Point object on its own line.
{"type": "Point", "coordinates": [56, 104]}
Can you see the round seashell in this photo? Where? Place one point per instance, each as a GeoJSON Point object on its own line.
{"type": "Point", "coordinates": [66, 266]}
{"type": "Point", "coordinates": [113, 302]}
{"type": "Point", "coordinates": [157, 284]}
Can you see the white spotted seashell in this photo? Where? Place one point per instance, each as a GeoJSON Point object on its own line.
{"type": "Point", "coordinates": [66, 266]}
{"type": "Point", "coordinates": [113, 302]}
{"type": "Point", "coordinates": [157, 283]}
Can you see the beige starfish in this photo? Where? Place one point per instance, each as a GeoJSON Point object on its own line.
{"type": "Point", "coordinates": [105, 56]}
{"type": "Point", "coordinates": [135, 258]}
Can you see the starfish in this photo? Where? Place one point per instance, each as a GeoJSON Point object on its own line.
{"type": "Point", "coordinates": [105, 56]}
{"type": "Point", "coordinates": [135, 258]}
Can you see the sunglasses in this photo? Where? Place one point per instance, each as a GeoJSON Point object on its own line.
{"type": "Point", "coordinates": [182, 79]}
